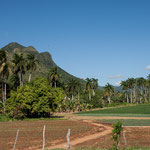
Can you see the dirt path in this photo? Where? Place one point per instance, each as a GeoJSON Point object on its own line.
{"type": "Point", "coordinates": [90, 119]}
{"type": "Point", "coordinates": [107, 130]}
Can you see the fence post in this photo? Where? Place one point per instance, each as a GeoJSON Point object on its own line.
{"type": "Point", "coordinates": [68, 139]}
{"type": "Point", "coordinates": [43, 137]}
{"type": "Point", "coordinates": [16, 139]}
{"type": "Point", "coordinates": [124, 136]}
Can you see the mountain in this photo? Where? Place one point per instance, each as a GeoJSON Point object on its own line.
{"type": "Point", "coordinates": [46, 62]}
{"type": "Point", "coordinates": [117, 88]}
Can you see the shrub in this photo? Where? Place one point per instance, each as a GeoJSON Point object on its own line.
{"type": "Point", "coordinates": [116, 133]}
{"type": "Point", "coordinates": [37, 99]}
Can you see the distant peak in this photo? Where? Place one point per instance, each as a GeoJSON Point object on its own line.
{"type": "Point", "coordinates": [30, 49]}
{"type": "Point", "coordinates": [13, 45]}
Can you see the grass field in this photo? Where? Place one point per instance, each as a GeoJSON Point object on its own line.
{"type": "Point", "coordinates": [128, 122]}
{"type": "Point", "coordinates": [127, 111]}
{"type": "Point", "coordinates": [130, 148]}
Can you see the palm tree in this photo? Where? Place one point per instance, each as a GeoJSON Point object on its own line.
{"type": "Point", "coordinates": [94, 85]}
{"type": "Point", "coordinates": [131, 85]}
{"type": "Point", "coordinates": [109, 90]}
{"type": "Point", "coordinates": [54, 76]}
{"type": "Point", "coordinates": [78, 88]}
{"type": "Point", "coordinates": [141, 85]}
{"type": "Point", "coordinates": [72, 87]}
{"type": "Point", "coordinates": [5, 71]}
{"type": "Point", "coordinates": [89, 86]}
{"type": "Point", "coordinates": [19, 66]}
{"type": "Point", "coordinates": [125, 87]}
{"type": "Point", "coordinates": [148, 88]}
{"type": "Point", "coordinates": [31, 64]}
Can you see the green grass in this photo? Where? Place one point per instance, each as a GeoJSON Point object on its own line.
{"type": "Point", "coordinates": [4, 118]}
{"type": "Point", "coordinates": [130, 148]}
{"type": "Point", "coordinates": [127, 111]}
{"type": "Point", "coordinates": [129, 122]}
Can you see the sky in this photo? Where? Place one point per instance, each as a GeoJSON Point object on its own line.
{"type": "Point", "coordinates": [104, 39]}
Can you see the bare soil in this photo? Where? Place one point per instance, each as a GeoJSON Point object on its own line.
{"type": "Point", "coordinates": [85, 132]}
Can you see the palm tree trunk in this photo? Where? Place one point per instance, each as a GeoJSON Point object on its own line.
{"type": "Point", "coordinates": [141, 93]}
{"type": "Point", "coordinates": [55, 84]}
{"type": "Point", "coordinates": [30, 77]}
{"type": "Point", "coordinates": [140, 99]}
{"type": "Point", "coordinates": [127, 98]}
{"type": "Point", "coordinates": [78, 96]}
{"type": "Point", "coordinates": [109, 99]}
{"type": "Point", "coordinates": [20, 81]}
{"type": "Point", "coordinates": [89, 95]}
{"type": "Point", "coordinates": [145, 95]}
{"type": "Point", "coordinates": [72, 97]}
{"type": "Point", "coordinates": [3, 92]}
{"type": "Point", "coordinates": [134, 93]}
{"type": "Point", "coordinates": [93, 92]}
{"type": "Point", "coordinates": [131, 96]}
{"type": "Point", "coordinates": [5, 97]}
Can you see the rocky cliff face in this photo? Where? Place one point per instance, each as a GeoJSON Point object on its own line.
{"type": "Point", "coordinates": [45, 60]}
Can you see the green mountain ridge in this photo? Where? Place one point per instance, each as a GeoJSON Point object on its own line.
{"type": "Point", "coordinates": [46, 62]}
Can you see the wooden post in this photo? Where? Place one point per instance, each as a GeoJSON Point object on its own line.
{"type": "Point", "coordinates": [16, 139]}
{"type": "Point", "coordinates": [124, 137]}
{"type": "Point", "coordinates": [43, 137]}
{"type": "Point", "coordinates": [68, 139]}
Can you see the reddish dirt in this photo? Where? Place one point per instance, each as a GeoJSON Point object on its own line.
{"type": "Point", "coordinates": [135, 136]}
{"type": "Point", "coordinates": [107, 130]}
{"type": "Point", "coordinates": [30, 135]}
{"type": "Point", "coordinates": [106, 117]}
{"type": "Point", "coordinates": [138, 137]}
{"type": "Point", "coordinates": [85, 132]}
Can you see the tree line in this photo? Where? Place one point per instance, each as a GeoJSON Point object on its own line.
{"type": "Point", "coordinates": [41, 96]}
{"type": "Point", "coordinates": [136, 90]}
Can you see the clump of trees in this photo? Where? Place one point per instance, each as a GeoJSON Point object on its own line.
{"type": "Point", "coordinates": [36, 99]}
{"type": "Point", "coordinates": [136, 90]}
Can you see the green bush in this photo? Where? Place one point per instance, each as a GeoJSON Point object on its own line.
{"type": "Point", "coordinates": [116, 133]}
{"type": "Point", "coordinates": [37, 99]}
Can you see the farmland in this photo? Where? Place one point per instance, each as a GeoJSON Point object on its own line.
{"type": "Point", "coordinates": [30, 135]}
{"type": "Point", "coordinates": [86, 131]}
{"type": "Point", "coordinates": [128, 111]}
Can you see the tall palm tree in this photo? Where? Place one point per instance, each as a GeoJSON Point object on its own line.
{"type": "Point", "coordinates": [141, 85]}
{"type": "Point", "coordinates": [78, 88]}
{"type": "Point", "coordinates": [89, 86]}
{"type": "Point", "coordinates": [31, 64]}
{"type": "Point", "coordinates": [19, 66]}
{"type": "Point", "coordinates": [148, 87]}
{"type": "Point", "coordinates": [54, 76]}
{"type": "Point", "coordinates": [72, 87]}
{"type": "Point", "coordinates": [125, 87]}
{"type": "Point", "coordinates": [5, 71]}
{"type": "Point", "coordinates": [109, 90]}
{"type": "Point", "coordinates": [94, 85]}
{"type": "Point", "coordinates": [131, 84]}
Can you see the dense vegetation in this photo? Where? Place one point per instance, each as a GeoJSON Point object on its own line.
{"type": "Point", "coordinates": [24, 96]}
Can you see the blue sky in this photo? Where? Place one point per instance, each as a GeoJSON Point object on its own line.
{"type": "Point", "coordinates": [105, 39]}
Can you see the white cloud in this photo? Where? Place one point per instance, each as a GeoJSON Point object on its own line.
{"type": "Point", "coordinates": [118, 83]}
{"type": "Point", "coordinates": [115, 77]}
{"type": "Point", "coordinates": [148, 67]}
